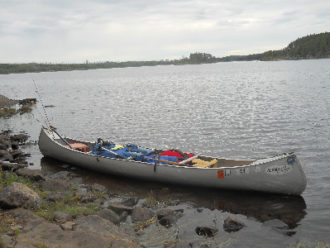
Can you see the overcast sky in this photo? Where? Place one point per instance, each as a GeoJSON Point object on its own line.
{"type": "Point", "coordinates": [121, 30]}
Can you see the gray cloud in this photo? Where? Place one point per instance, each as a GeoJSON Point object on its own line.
{"type": "Point", "coordinates": [73, 31]}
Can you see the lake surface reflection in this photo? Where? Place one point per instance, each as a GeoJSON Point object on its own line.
{"type": "Point", "coordinates": [238, 110]}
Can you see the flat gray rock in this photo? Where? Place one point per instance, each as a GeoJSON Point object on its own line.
{"type": "Point", "coordinates": [84, 232]}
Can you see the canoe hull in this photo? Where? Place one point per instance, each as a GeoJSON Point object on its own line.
{"type": "Point", "coordinates": [281, 174]}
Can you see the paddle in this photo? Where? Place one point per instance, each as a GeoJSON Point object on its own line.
{"type": "Point", "coordinates": [112, 152]}
{"type": "Point", "coordinates": [54, 130]}
{"type": "Point", "coordinates": [164, 161]}
{"type": "Point", "coordinates": [174, 163]}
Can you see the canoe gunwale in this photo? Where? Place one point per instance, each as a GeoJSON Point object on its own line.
{"type": "Point", "coordinates": [263, 161]}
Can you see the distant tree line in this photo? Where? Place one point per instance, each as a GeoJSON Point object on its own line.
{"type": "Point", "coordinates": [313, 46]}
{"type": "Point", "coordinates": [194, 58]}
{"type": "Point", "coordinates": [308, 47]}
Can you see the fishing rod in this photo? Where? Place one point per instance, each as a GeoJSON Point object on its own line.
{"type": "Point", "coordinates": [47, 122]}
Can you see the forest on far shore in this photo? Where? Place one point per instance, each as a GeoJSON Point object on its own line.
{"type": "Point", "coordinates": [313, 46]}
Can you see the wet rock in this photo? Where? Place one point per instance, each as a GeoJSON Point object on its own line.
{"type": "Point", "coordinates": [27, 101]}
{"type": "Point", "coordinates": [119, 208]}
{"type": "Point", "coordinates": [7, 166]}
{"type": "Point", "coordinates": [6, 156]}
{"type": "Point", "coordinates": [123, 216]}
{"type": "Point", "coordinates": [61, 175]}
{"type": "Point", "coordinates": [3, 153]}
{"type": "Point", "coordinates": [18, 195]}
{"type": "Point", "coordinates": [14, 145]}
{"type": "Point", "coordinates": [206, 231]}
{"type": "Point", "coordinates": [232, 225]}
{"type": "Point", "coordinates": [62, 217]}
{"type": "Point", "coordinates": [54, 185]}
{"type": "Point", "coordinates": [140, 214]}
{"type": "Point", "coordinates": [99, 188]}
{"type": "Point", "coordinates": [109, 215]}
{"type": "Point", "coordinates": [83, 189]}
{"type": "Point", "coordinates": [34, 175]}
{"type": "Point", "coordinates": [68, 226]}
{"type": "Point", "coordinates": [20, 138]}
{"type": "Point", "coordinates": [67, 176]}
{"type": "Point", "coordinates": [130, 202]}
{"type": "Point", "coordinates": [88, 231]}
{"type": "Point", "coordinates": [16, 153]}
{"type": "Point", "coordinates": [3, 146]}
{"type": "Point", "coordinates": [102, 227]}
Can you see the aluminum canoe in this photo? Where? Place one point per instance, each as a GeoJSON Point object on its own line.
{"type": "Point", "coordinates": [282, 174]}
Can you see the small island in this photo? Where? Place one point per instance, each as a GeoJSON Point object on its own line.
{"type": "Point", "coordinates": [313, 46]}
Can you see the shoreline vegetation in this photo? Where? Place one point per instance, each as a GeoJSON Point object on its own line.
{"type": "Point", "coordinates": [315, 46]}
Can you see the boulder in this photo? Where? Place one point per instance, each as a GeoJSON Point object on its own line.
{"type": "Point", "coordinates": [55, 185]}
{"type": "Point", "coordinates": [140, 214]}
{"type": "Point", "coordinates": [164, 212]}
{"type": "Point", "coordinates": [16, 154]}
{"type": "Point", "coordinates": [84, 232]}
{"type": "Point", "coordinates": [109, 215]}
{"type": "Point", "coordinates": [18, 195]}
{"type": "Point", "coordinates": [68, 226]}
{"type": "Point", "coordinates": [118, 208]}
{"type": "Point", "coordinates": [34, 175]}
{"type": "Point", "coordinates": [232, 225]}
{"type": "Point", "coordinates": [6, 156]}
{"type": "Point", "coordinates": [62, 217]}
{"type": "Point", "coordinates": [21, 138]}
{"type": "Point", "coordinates": [83, 188]}
{"type": "Point", "coordinates": [11, 166]}
{"type": "Point", "coordinates": [130, 202]}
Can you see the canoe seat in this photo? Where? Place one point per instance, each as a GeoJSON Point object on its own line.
{"type": "Point", "coordinates": [205, 164]}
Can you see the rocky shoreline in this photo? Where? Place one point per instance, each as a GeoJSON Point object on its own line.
{"type": "Point", "coordinates": [47, 210]}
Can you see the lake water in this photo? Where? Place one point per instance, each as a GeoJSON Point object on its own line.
{"type": "Point", "coordinates": [236, 110]}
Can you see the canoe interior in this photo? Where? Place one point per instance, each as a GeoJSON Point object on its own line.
{"type": "Point", "coordinates": [222, 162]}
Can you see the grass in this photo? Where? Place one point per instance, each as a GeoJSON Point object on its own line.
{"type": "Point", "coordinates": [70, 204]}
{"type": "Point", "coordinates": [151, 201]}
{"type": "Point", "coordinates": [2, 244]}
{"type": "Point", "coordinates": [6, 112]}
{"type": "Point", "coordinates": [10, 177]}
